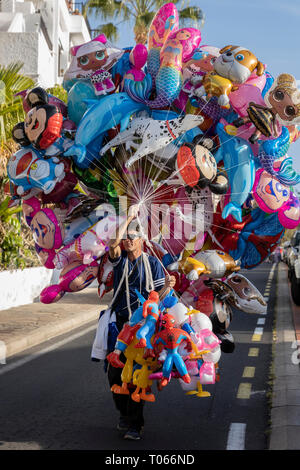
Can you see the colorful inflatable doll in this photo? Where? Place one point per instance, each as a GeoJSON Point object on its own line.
{"type": "Point", "coordinates": [272, 196]}
{"type": "Point", "coordinates": [232, 67]}
{"type": "Point", "coordinates": [165, 21]}
{"type": "Point", "coordinates": [88, 75]}
{"type": "Point", "coordinates": [177, 49]}
{"type": "Point", "coordinates": [170, 338]}
{"type": "Point", "coordinates": [239, 165]}
{"type": "Point", "coordinates": [282, 108]}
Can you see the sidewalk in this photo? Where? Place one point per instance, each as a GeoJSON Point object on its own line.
{"type": "Point", "coordinates": [29, 325]}
{"type": "Point", "coordinates": [285, 412]}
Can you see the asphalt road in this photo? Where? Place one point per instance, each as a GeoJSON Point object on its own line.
{"type": "Point", "coordinates": [61, 400]}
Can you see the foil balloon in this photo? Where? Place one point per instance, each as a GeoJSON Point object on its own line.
{"type": "Point", "coordinates": [272, 196]}
{"type": "Point", "coordinates": [177, 49]}
{"type": "Point", "coordinates": [165, 21]}
{"type": "Point", "coordinates": [73, 278]}
{"type": "Point", "coordinates": [101, 116]}
{"type": "Point", "coordinates": [238, 161]}
{"type": "Point", "coordinates": [246, 296]}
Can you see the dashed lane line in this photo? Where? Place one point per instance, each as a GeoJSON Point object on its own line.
{"type": "Point", "coordinates": [249, 372]}
{"type": "Point", "coordinates": [244, 391]}
{"type": "Point", "coordinates": [236, 436]}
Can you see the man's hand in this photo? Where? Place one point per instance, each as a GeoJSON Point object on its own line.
{"type": "Point", "coordinates": [170, 282]}
{"type": "Point", "coordinates": [133, 211]}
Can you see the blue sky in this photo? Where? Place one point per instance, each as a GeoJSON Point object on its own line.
{"type": "Point", "coordinates": [270, 28]}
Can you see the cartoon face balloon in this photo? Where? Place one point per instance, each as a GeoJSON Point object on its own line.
{"type": "Point", "coordinates": [198, 169]}
{"type": "Point", "coordinates": [284, 99]}
{"type": "Point", "coordinates": [43, 122]}
{"type": "Point", "coordinates": [269, 193]}
{"type": "Point", "coordinates": [91, 56]}
{"type": "Point", "coordinates": [46, 229]}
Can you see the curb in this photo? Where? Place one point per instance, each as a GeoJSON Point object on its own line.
{"type": "Point", "coordinates": [296, 314]}
{"type": "Point", "coordinates": [48, 332]}
{"type": "Point", "coordinates": [285, 409]}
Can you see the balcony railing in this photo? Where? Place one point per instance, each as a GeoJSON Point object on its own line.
{"type": "Point", "coordinates": [75, 8]}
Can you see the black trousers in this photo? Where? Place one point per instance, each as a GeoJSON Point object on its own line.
{"type": "Point", "coordinates": [127, 407]}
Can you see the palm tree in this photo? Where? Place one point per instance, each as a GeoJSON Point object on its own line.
{"type": "Point", "coordinates": [140, 12]}
{"type": "Point", "coordinates": [11, 109]}
{"type": "Point", "coordinates": [16, 245]}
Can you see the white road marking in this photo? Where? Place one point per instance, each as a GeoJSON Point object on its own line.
{"type": "Point", "coordinates": [237, 431]}
{"type": "Point", "coordinates": [258, 331]}
{"type": "Point", "coordinates": [8, 367]}
{"type": "Point", "coordinates": [236, 436]}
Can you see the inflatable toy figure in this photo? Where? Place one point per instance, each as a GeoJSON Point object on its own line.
{"type": "Point", "coordinates": [155, 134]}
{"type": "Point", "coordinates": [46, 124]}
{"type": "Point", "coordinates": [89, 76]}
{"type": "Point", "coordinates": [100, 117]}
{"type": "Point", "coordinates": [257, 239]}
{"type": "Point", "coordinates": [82, 251]}
{"type": "Point", "coordinates": [90, 245]}
{"type": "Point", "coordinates": [125, 337]}
{"type": "Point", "coordinates": [191, 267]}
{"type": "Point", "coordinates": [201, 63]}
{"type": "Point", "coordinates": [138, 58]}
{"type": "Point", "coordinates": [239, 165]}
{"type": "Point", "coordinates": [73, 278]}
{"type": "Point", "coordinates": [283, 108]}
{"type": "Point", "coordinates": [27, 170]}
{"type": "Point", "coordinates": [216, 263]}
{"type": "Point", "coordinates": [272, 196]}
{"type": "Point", "coordinates": [177, 49]}
{"type": "Point", "coordinates": [170, 338]}
{"type": "Point", "coordinates": [234, 66]}
{"type": "Point", "coordinates": [247, 297]}
{"type": "Point", "coordinates": [202, 369]}
{"type": "Point", "coordinates": [193, 72]}
{"type": "Point", "coordinates": [91, 61]}
{"type": "Point", "coordinates": [50, 179]}
{"type": "Point", "coordinates": [43, 122]}
{"type": "Point", "coordinates": [151, 315]}
{"type": "Point", "coordinates": [139, 375]}
{"type": "Point", "coordinates": [203, 361]}
{"type": "Point", "coordinates": [165, 21]}
{"type": "Point", "coordinates": [197, 167]}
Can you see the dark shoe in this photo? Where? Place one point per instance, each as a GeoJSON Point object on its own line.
{"type": "Point", "coordinates": [123, 425]}
{"type": "Point", "coordinates": [227, 341]}
{"type": "Point", "coordinates": [133, 434]}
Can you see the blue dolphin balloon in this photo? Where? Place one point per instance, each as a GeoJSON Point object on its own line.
{"type": "Point", "coordinates": [238, 160]}
{"type": "Point", "coordinates": [101, 116]}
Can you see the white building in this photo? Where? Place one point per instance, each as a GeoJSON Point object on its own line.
{"type": "Point", "coordinates": [40, 33]}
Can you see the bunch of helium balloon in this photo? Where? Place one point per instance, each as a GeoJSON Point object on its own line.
{"type": "Point", "coordinates": [182, 126]}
